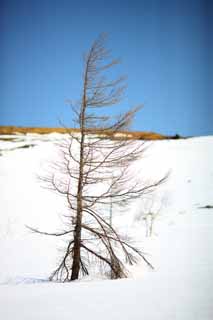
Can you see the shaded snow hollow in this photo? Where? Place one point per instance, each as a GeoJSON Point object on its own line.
{"type": "Point", "coordinates": [181, 247]}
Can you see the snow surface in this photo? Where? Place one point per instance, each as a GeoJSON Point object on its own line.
{"type": "Point", "coordinates": [181, 248]}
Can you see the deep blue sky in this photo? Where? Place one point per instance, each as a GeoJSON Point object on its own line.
{"type": "Point", "coordinates": [166, 48]}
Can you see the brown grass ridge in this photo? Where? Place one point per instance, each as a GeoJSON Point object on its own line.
{"type": "Point", "coordinates": [130, 134]}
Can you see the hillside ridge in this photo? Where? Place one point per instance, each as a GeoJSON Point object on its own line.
{"type": "Point", "coordinates": [143, 135]}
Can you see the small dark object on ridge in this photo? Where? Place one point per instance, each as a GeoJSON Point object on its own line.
{"type": "Point", "coordinates": [208, 206]}
{"type": "Point", "coordinates": [176, 136]}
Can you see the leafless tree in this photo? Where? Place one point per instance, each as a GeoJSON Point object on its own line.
{"type": "Point", "coordinates": [95, 172]}
{"type": "Point", "coordinates": [150, 210]}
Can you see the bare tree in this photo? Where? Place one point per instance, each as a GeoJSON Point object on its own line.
{"type": "Point", "coordinates": [150, 210]}
{"type": "Point", "coordinates": [95, 172]}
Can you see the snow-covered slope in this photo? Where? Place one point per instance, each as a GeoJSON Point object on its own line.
{"type": "Point", "coordinates": [181, 246]}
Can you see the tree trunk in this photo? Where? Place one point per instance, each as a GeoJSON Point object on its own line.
{"type": "Point", "coordinates": [77, 249]}
{"type": "Point", "coordinates": [77, 234]}
{"type": "Point", "coordinates": [78, 227]}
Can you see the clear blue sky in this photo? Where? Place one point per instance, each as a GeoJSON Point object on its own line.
{"type": "Point", "coordinates": [166, 48]}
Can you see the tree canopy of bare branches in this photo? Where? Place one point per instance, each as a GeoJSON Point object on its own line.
{"type": "Point", "coordinates": [96, 172]}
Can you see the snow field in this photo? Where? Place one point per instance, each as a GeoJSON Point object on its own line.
{"type": "Point", "coordinates": [181, 248]}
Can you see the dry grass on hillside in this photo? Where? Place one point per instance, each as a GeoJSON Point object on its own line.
{"type": "Point", "coordinates": [131, 135]}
